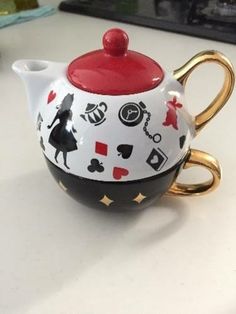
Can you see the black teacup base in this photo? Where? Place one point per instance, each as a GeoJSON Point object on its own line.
{"type": "Point", "coordinates": [118, 196]}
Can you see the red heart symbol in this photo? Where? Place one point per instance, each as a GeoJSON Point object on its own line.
{"type": "Point", "coordinates": [51, 96]}
{"type": "Point", "coordinates": [119, 172]}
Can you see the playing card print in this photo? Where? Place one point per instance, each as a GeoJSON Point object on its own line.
{"type": "Point", "coordinates": [95, 165]}
{"type": "Point", "coordinates": [118, 173]}
{"type": "Point", "coordinates": [131, 114]}
{"type": "Point", "coordinates": [157, 159]}
{"type": "Point", "coordinates": [95, 114]}
{"type": "Point", "coordinates": [171, 115]}
{"type": "Point", "coordinates": [101, 148]}
{"type": "Point", "coordinates": [125, 150]}
{"type": "Point", "coordinates": [51, 96]}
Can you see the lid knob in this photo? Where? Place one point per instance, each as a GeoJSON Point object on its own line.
{"type": "Point", "coordinates": [115, 42]}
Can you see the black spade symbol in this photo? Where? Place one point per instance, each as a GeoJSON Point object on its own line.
{"type": "Point", "coordinates": [182, 141]}
{"type": "Point", "coordinates": [95, 165]}
{"type": "Point", "coordinates": [125, 150]}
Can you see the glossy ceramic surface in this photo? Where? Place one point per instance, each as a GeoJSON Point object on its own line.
{"type": "Point", "coordinates": [115, 70]}
{"type": "Point", "coordinates": [117, 196]}
{"type": "Point", "coordinates": [114, 138]}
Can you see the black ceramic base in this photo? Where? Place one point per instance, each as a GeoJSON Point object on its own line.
{"type": "Point", "coordinates": [129, 195]}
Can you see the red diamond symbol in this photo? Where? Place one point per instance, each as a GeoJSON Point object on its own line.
{"type": "Point", "coordinates": [101, 148]}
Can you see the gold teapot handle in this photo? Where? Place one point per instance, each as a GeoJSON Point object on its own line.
{"type": "Point", "coordinates": [182, 74]}
{"type": "Point", "coordinates": [198, 158]}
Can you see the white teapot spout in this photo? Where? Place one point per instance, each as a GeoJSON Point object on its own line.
{"type": "Point", "coordinates": [37, 75]}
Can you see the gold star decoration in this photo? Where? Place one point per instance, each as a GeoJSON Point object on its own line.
{"type": "Point", "coordinates": [106, 200]}
{"type": "Point", "coordinates": [64, 188]}
{"type": "Point", "coordinates": [139, 198]}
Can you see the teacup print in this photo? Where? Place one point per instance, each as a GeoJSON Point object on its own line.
{"type": "Point", "coordinates": [115, 142]}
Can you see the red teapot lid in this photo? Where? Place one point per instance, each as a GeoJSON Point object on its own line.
{"type": "Point", "coordinates": [115, 70]}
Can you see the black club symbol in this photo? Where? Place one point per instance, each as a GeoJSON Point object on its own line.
{"type": "Point", "coordinates": [95, 165]}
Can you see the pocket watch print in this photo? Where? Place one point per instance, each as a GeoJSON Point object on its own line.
{"type": "Point", "coordinates": [61, 136]}
{"type": "Point", "coordinates": [132, 114]}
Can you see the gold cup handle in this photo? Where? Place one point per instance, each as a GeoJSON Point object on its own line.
{"type": "Point", "coordinates": [198, 158]}
{"type": "Point", "coordinates": [182, 74]}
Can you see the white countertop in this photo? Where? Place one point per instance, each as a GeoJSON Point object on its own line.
{"type": "Point", "coordinates": [59, 257]}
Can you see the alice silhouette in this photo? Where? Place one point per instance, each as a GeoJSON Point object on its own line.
{"type": "Point", "coordinates": [61, 136]}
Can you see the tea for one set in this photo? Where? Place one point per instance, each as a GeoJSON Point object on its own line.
{"type": "Point", "coordinates": [114, 127]}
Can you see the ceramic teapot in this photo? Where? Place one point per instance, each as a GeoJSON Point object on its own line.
{"type": "Point", "coordinates": [114, 127]}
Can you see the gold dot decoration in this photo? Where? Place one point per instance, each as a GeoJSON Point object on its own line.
{"type": "Point", "coordinates": [106, 200]}
{"type": "Point", "coordinates": [64, 188]}
{"type": "Point", "coordinates": [139, 198]}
